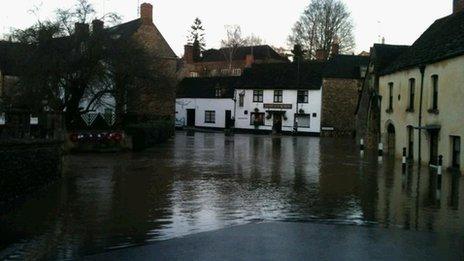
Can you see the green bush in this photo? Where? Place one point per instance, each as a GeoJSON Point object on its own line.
{"type": "Point", "coordinates": [146, 135]}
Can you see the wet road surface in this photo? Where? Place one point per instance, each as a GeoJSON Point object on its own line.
{"type": "Point", "coordinates": [209, 181]}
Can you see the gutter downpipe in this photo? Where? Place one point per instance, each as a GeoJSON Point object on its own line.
{"type": "Point", "coordinates": [422, 71]}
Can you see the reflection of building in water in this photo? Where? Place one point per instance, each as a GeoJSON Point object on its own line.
{"type": "Point", "coordinates": [415, 200]}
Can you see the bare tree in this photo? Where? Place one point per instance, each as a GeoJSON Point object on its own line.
{"type": "Point", "coordinates": [321, 23]}
{"type": "Point", "coordinates": [234, 39]}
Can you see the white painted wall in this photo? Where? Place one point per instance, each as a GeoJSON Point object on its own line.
{"type": "Point", "coordinates": [201, 105]}
{"type": "Point", "coordinates": [243, 121]}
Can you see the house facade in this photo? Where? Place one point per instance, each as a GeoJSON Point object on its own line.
{"type": "Point", "coordinates": [206, 102]}
{"type": "Point", "coordinates": [343, 78]}
{"type": "Point", "coordinates": [422, 95]}
{"type": "Point", "coordinates": [280, 98]}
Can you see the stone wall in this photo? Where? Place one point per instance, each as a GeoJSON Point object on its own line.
{"type": "Point", "coordinates": [339, 101]}
{"type": "Point", "coordinates": [26, 166]}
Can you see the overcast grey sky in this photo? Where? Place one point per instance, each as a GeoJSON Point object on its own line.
{"type": "Point", "coordinates": [399, 21]}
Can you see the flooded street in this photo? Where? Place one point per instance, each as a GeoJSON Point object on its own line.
{"type": "Point", "coordinates": [208, 181]}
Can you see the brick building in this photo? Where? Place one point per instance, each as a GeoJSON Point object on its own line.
{"type": "Point", "coordinates": [227, 61]}
{"type": "Point", "coordinates": [343, 78]}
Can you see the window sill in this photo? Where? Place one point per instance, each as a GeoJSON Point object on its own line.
{"type": "Point", "coordinates": [434, 111]}
{"type": "Point", "coordinates": [389, 111]}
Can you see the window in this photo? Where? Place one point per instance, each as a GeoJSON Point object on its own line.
{"type": "Point", "coordinates": [257, 118]}
{"type": "Point", "coordinates": [390, 97]}
{"type": "Point", "coordinates": [241, 99]}
{"type": "Point", "coordinates": [412, 94]}
{"type": "Point", "coordinates": [210, 117]}
{"type": "Point", "coordinates": [2, 119]}
{"type": "Point", "coordinates": [218, 93]}
{"type": "Point", "coordinates": [236, 72]}
{"type": "Point", "coordinates": [194, 74]}
{"type": "Point", "coordinates": [302, 96]}
{"type": "Point", "coordinates": [258, 96]}
{"type": "Point", "coordinates": [278, 96]}
{"type": "Point", "coordinates": [304, 120]}
{"type": "Point", "coordinates": [434, 92]}
{"type": "Point", "coordinates": [456, 143]}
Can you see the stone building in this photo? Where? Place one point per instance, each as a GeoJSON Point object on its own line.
{"type": "Point", "coordinates": [227, 61]}
{"type": "Point", "coordinates": [422, 93]}
{"type": "Point", "coordinates": [368, 109]}
{"type": "Point", "coordinates": [154, 101]}
{"type": "Point", "coordinates": [343, 78]}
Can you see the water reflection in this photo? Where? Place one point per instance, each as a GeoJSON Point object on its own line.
{"type": "Point", "coordinates": [209, 181]}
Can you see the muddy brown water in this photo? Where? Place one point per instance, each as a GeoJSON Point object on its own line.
{"type": "Point", "coordinates": [208, 181]}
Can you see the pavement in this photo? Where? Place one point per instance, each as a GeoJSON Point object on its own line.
{"type": "Point", "coordinates": [298, 241]}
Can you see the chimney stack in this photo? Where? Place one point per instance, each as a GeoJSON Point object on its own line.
{"type": "Point", "coordinates": [81, 29]}
{"type": "Point", "coordinates": [458, 6]}
{"type": "Point", "coordinates": [97, 26]}
{"type": "Point", "coordinates": [321, 55]}
{"type": "Point", "coordinates": [335, 48]}
{"type": "Point", "coordinates": [146, 13]}
{"type": "Point", "coordinates": [249, 60]}
{"type": "Point", "coordinates": [188, 54]}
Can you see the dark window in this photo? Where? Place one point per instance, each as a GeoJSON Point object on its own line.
{"type": "Point", "coordinates": [210, 117]}
{"type": "Point", "coordinates": [241, 99]}
{"type": "Point", "coordinates": [218, 93]}
{"type": "Point", "coordinates": [278, 96]}
{"type": "Point", "coordinates": [456, 143]}
{"type": "Point", "coordinates": [434, 92]}
{"type": "Point", "coordinates": [258, 96]}
{"type": "Point", "coordinates": [390, 95]}
{"type": "Point", "coordinates": [303, 97]}
{"type": "Point", "coordinates": [257, 118]}
{"type": "Point", "coordinates": [412, 93]}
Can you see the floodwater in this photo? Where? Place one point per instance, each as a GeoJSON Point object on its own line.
{"type": "Point", "coordinates": [208, 181]}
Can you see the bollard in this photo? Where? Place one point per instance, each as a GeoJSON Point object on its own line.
{"type": "Point", "coordinates": [439, 176]}
{"type": "Point", "coordinates": [440, 165]}
{"type": "Point", "coordinates": [361, 144]}
{"type": "Point", "coordinates": [380, 155]}
{"type": "Point", "coordinates": [403, 163]}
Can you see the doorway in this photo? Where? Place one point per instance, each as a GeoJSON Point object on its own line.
{"type": "Point", "coordinates": [277, 122]}
{"type": "Point", "coordinates": [190, 117]}
{"type": "Point", "coordinates": [433, 148]}
{"type": "Point", "coordinates": [391, 142]}
{"type": "Point", "coordinates": [228, 119]}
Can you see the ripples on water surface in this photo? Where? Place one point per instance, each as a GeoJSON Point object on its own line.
{"type": "Point", "coordinates": [207, 182]}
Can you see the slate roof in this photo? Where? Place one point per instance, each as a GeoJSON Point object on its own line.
{"type": "Point", "coordinates": [385, 54]}
{"type": "Point", "coordinates": [205, 87]}
{"type": "Point", "coordinates": [306, 75]}
{"type": "Point", "coordinates": [444, 39]}
{"type": "Point", "coordinates": [260, 52]}
{"type": "Point", "coordinates": [345, 66]}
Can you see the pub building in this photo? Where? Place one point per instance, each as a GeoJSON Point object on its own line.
{"type": "Point", "coordinates": [280, 98]}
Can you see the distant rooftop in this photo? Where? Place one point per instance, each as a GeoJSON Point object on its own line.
{"type": "Point", "coordinates": [260, 52]}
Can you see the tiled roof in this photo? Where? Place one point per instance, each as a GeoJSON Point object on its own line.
{"type": "Point", "coordinates": [206, 87]}
{"type": "Point", "coordinates": [444, 39]}
{"type": "Point", "coordinates": [260, 52]}
{"type": "Point", "coordinates": [306, 75]}
{"type": "Point", "coordinates": [345, 66]}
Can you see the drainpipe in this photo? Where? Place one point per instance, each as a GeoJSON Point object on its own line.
{"type": "Point", "coordinates": [422, 71]}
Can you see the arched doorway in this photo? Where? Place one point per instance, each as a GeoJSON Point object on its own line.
{"type": "Point", "coordinates": [391, 142]}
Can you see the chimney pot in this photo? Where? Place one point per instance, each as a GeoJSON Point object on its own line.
{"type": "Point", "coordinates": [146, 13]}
{"type": "Point", "coordinates": [458, 6]}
